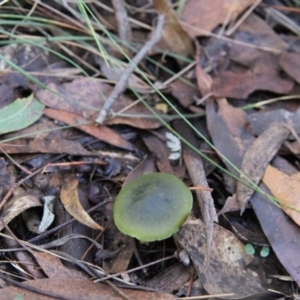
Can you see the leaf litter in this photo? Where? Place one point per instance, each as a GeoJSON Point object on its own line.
{"type": "Point", "coordinates": [223, 64]}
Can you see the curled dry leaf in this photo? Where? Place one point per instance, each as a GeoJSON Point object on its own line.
{"type": "Point", "coordinates": [70, 199]}
{"type": "Point", "coordinates": [18, 204]}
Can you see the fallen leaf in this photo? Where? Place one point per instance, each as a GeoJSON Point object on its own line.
{"type": "Point", "coordinates": [20, 202]}
{"type": "Point", "coordinates": [257, 158]}
{"type": "Point", "coordinates": [101, 132]}
{"type": "Point", "coordinates": [200, 16]}
{"type": "Point", "coordinates": [86, 96]}
{"type": "Point", "coordinates": [183, 92]}
{"type": "Point", "coordinates": [281, 231]}
{"type": "Point", "coordinates": [20, 114]}
{"type": "Point", "coordinates": [290, 63]}
{"type": "Point", "coordinates": [241, 85]}
{"type": "Point", "coordinates": [231, 204]}
{"type": "Point", "coordinates": [286, 189]}
{"type": "Point", "coordinates": [70, 200]}
{"type": "Point", "coordinates": [227, 127]}
{"type": "Point", "coordinates": [42, 137]}
{"type": "Point", "coordinates": [161, 152]}
{"type": "Point", "coordinates": [78, 289]}
{"type": "Point", "coordinates": [173, 33]}
{"type": "Point", "coordinates": [227, 271]}
{"type": "Point", "coordinates": [7, 176]}
{"type": "Point", "coordinates": [261, 121]}
{"type": "Point", "coordinates": [53, 267]}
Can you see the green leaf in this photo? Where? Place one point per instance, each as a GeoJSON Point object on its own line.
{"type": "Point", "coordinates": [20, 114]}
{"type": "Point", "coordinates": [249, 249]}
{"type": "Point", "coordinates": [265, 251]}
{"type": "Point", "coordinates": [19, 297]}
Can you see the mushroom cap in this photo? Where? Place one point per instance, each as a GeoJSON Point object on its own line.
{"type": "Point", "coordinates": [152, 207]}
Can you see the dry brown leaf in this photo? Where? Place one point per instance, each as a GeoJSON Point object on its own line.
{"type": "Point", "coordinates": [183, 92]}
{"type": "Point", "coordinates": [286, 189]}
{"type": "Point", "coordinates": [53, 267]}
{"type": "Point", "coordinates": [257, 157]}
{"type": "Point", "coordinates": [19, 203]}
{"type": "Point", "coordinates": [77, 289]}
{"type": "Point", "coordinates": [227, 271]}
{"type": "Point", "coordinates": [227, 128]}
{"type": "Point", "coordinates": [231, 204]}
{"type": "Point", "coordinates": [290, 63]}
{"type": "Point", "coordinates": [173, 33]}
{"type": "Point", "coordinates": [70, 200]}
{"type": "Point", "coordinates": [86, 96]}
{"type": "Point", "coordinates": [241, 85]}
{"type": "Point", "coordinates": [207, 15]}
{"type": "Point", "coordinates": [101, 132]}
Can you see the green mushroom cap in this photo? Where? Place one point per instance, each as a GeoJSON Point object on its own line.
{"type": "Point", "coordinates": [152, 207]}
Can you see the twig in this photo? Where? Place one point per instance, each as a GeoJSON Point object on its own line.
{"type": "Point", "coordinates": [122, 84]}
{"type": "Point", "coordinates": [135, 269]}
{"type": "Point", "coordinates": [122, 19]}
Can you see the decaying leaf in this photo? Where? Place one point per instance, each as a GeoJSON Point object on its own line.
{"type": "Point", "coordinates": [173, 33]}
{"type": "Point", "coordinates": [227, 271]}
{"type": "Point", "coordinates": [20, 202]}
{"type": "Point", "coordinates": [53, 267]}
{"type": "Point", "coordinates": [86, 96]}
{"type": "Point", "coordinates": [241, 85]}
{"type": "Point", "coordinates": [70, 199]}
{"type": "Point", "coordinates": [286, 189]}
{"type": "Point", "coordinates": [78, 289]}
{"type": "Point", "coordinates": [256, 159]}
{"type": "Point", "coordinates": [199, 18]}
{"type": "Point", "coordinates": [290, 63]}
{"type": "Point", "coordinates": [281, 231]}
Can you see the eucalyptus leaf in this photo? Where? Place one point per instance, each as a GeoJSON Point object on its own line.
{"type": "Point", "coordinates": [20, 114]}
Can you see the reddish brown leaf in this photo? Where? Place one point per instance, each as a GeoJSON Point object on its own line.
{"type": "Point", "coordinates": [102, 132]}
{"type": "Point", "coordinates": [53, 267]}
{"type": "Point", "coordinates": [160, 151]}
{"type": "Point", "coordinates": [205, 16]}
{"type": "Point", "coordinates": [241, 85]}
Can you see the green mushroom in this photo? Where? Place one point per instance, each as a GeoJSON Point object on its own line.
{"type": "Point", "coordinates": [152, 207]}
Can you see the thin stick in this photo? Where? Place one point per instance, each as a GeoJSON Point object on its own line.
{"type": "Point", "coordinates": [122, 19]}
{"type": "Point", "coordinates": [135, 269]}
{"type": "Point", "coordinates": [122, 84]}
